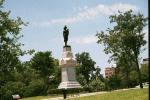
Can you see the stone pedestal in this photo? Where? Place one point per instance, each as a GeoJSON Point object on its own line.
{"type": "Point", "coordinates": [68, 75]}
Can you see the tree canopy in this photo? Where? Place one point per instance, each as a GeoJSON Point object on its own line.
{"type": "Point", "coordinates": [87, 65]}
{"type": "Point", "coordinates": [125, 39]}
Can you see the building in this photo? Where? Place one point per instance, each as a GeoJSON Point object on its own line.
{"type": "Point", "coordinates": [109, 72]}
{"type": "Point", "coordinates": [145, 61]}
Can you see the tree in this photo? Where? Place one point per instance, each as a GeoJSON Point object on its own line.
{"type": "Point", "coordinates": [130, 37]}
{"type": "Point", "coordinates": [9, 48]}
{"type": "Point", "coordinates": [125, 64]}
{"type": "Point", "coordinates": [115, 81]}
{"type": "Point", "coordinates": [87, 65]}
{"type": "Point", "coordinates": [43, 63]}
{"type": "Point", "coordinates": [57, 75]}
{"type": "Point", "coordinates": [133, 78]}
{"type": "Point", "coordinates": [80, 78]}
{"type": "Point", "coordinates": [97, 84]}
{"type": "Point", "coordinates": [144, 72]}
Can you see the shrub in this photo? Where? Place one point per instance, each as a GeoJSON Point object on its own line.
{"type": "Point", "coordinates": [88, 88]}
{"type": "Point", "coordinates": [35, 88]}
{"type": "Point", "coordinates": [13, 88]}
{"type": "Point", "coordinates": [54, 91]}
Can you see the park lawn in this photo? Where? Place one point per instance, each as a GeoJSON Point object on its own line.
{"type": "Point", "coordinates": [135, 94]}
{"type": "Point", "coordinates": [41, 97]}
{"type": "Point", "coordinates": [45, 97]}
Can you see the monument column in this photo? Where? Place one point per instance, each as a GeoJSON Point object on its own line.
{"type": "Point", "coordinates": [68, 63]}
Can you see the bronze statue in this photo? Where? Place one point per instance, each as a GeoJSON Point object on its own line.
{"type": "Point", "coordinates": [65, 35]}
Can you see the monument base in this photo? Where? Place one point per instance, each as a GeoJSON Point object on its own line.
{"type": "Point", "coordinates": [69, 84]}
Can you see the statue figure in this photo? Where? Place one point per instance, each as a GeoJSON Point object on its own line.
{"type": "Point", "coordinates": [65, 35]}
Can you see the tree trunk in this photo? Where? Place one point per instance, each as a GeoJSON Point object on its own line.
{"type": "Point", "coordinates": [45, 92]}
{"type": "Point", "coordinates": [140, 81]}
{"type": "Point", "coordinates": [127, 78]}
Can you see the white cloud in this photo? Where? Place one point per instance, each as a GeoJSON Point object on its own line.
{"type": "Point", "coordinates": [123, 7]}
{"type": "Point", "coordinates": [92, 13]}
{"type": "Point", "coordinates": [44, 23]}
{"type": "Point", "coordinates": [84, 39]}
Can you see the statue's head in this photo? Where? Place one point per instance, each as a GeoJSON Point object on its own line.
{"type": "Point", "coordinates": [65, 27]}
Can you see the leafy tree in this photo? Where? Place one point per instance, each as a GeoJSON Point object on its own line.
{"type": "Point", "coordinates": [133, 78]}
{"type": "Point", "coordinates": [87, 65]}
{"type": "Point", "coordinates": [115, 81]}
{"type": "Point", "coordinates": [144, 73]}
{"type": "Point", "coordinates": [43, 63]}
{"type": "Point", "coordinates": [55, 81]}
{"type": "Point", "coordinates": [127, 37]}
{"type": "Point", "coordinates": [9, 48]}
{"type": "Point", "coordinates": [97, 84]}
{"type": "Point", "coordinates": [79, 76]}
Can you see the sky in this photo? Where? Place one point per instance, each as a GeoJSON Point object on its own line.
{"type": "Point", "coordinates": [83, 18]}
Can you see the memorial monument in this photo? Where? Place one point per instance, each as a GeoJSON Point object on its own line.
{"type": "Point", "coordinates": [67, 63]}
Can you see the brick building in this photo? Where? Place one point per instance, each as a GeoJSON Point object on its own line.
{"type": "Point", "coordinates": [109, 71]}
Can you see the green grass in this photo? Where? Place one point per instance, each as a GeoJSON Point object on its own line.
{"type": "Point", "coordinates": [41, 97]}
{"type": "Point", "coordinates": [46, 97]}
{"type": "Point", "coordinates": [137, 94]}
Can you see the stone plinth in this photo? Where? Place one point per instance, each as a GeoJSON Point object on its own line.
{"type": "Point", "coordinates": [68, 75]}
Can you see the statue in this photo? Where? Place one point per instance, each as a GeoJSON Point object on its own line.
{"type": "Point", "coordinates": [65, 35]}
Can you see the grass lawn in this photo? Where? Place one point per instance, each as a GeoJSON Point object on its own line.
{"type": "Point", "coordinates": [41, 97]}
{"type": "Point", "coordinates": [136, 94]}
{"type": "Point", "coordinates": [45, 97]}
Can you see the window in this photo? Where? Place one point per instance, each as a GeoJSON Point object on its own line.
{"type": "Point", "coordinates": [110, 73]}
{"type": "Point", "coordinates": [106, 73]}
{"type": "Point", "coordinates": [106, 76]}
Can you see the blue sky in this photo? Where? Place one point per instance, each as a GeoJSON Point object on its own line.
{"type": "Point", "coordinates": [83, 18]}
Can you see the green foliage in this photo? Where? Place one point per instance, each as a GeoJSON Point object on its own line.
{"type": "Point", "coordinates": [13, 88]}
{"type": "Point", "coordinates": [115, 81]}
{"type": "Point", "coordinates": [43, 62]}
{"type": "Point", "coordinates": [133, 78]}
{"type": "Point", "coordinates": [54, 91]}
{"type": "Point", "coordinates": [35, 88]}
{"type": "Point", "coordinates": [88, 88]}
{"type": "Point", "coordinates": [80, 78]}
{"type": "Point", "coordinates": [97, 85]}
{"type": "Point", "coordinates": [59, 91]}
{"type": "Point", "coordinates": [9, 46]}
{"type": "Point", "coordinates": [87, 65]}
{"type": "Point", "coordinates": [144, 72]}
{"type": "Point", "coordinates": [130, 38]}
{"type": "Point", "coordinates": [54, 83]}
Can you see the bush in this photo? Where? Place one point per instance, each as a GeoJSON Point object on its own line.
{"type": "Point", "coordinates": [59, 91]}
{"type": "Point", "coordinates": [54, 91]}
{"type": "Point", "coordinates": [97, 85]}
{"type": "Point", "coordinates": [88, 88]}
{"type": "Point", "coordinates": [13, 88]}
{"type": "Point", "coordinates": [35, 88]}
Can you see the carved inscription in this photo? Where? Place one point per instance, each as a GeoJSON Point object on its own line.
{"type": "Point", "coordinates": [71, 73]}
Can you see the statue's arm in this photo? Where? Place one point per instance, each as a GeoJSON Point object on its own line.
{"type": "Point", "coordinates": [68, 31]}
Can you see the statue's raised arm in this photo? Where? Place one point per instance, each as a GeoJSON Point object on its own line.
{"type": "Point", "coordinates": [65, 34]}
